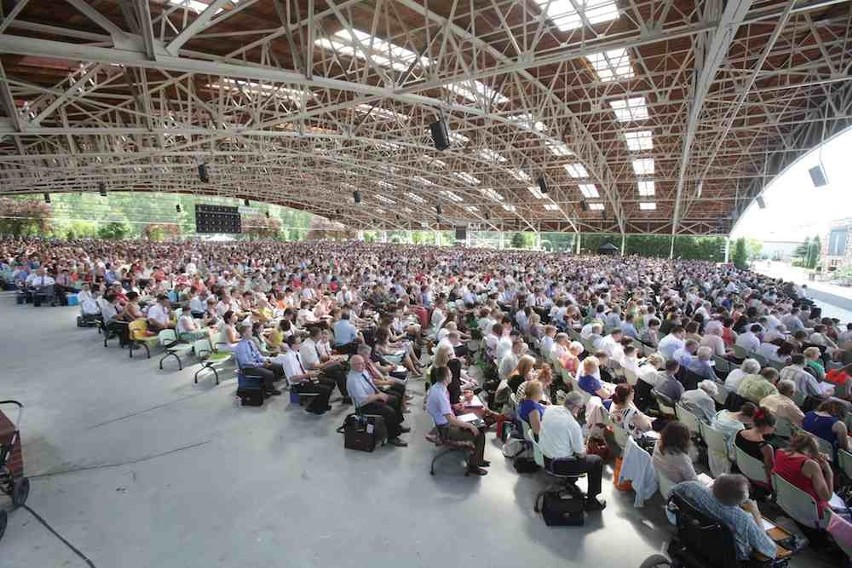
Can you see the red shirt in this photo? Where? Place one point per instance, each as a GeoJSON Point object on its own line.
{"type": "Point", "coordinates": [789, 466]}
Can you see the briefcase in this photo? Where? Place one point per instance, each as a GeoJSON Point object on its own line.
{"type": "Point", "coordinates": [561, 509]}
{"type": "Point", "coordinates": [363, 433]}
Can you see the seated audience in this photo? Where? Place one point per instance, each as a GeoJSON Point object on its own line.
{"type": "Point", "coordinates": [802, 464]}
{"type": "Point", "coordinates": [530, 409]}
{"type": "Point", "coordinates": [757, 387]}
{"type": "Point", "coordinates": [590, 380]}
{"type": "Point", "coordinates": [369, 399]}
{"type": "Point", "coordinates": [753, 442]}
{"type": "Point", "coordinates": [827, 423]}
{"type": "Point", "coordinates": [252, 364]}
{"type": "Point", "coordinates": [671, 453]}
{"type": "Point", "coordinates": [561, 442]}
{"type": "Point", "coordinates": [701, 401]}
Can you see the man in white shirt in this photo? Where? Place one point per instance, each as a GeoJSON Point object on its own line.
{"type": "Point", "coordinates": [159, 315]}
{"type": "Point", "coordinates": [561, 442]}
{"type": "Point", "coordinates": [611, 345]}
{"type": "Point", "coordinates": [302, 380]}
{"type": "Point", "coordinates": [328, 366]}
{"type": "Point", "coordinates": [749, 340]}
{"type": "Point", "coordinates": [804, 381]}
{"type": "Point", "coordinates": [510, 359]}
{"type": "Point", "coordinates": [504, 345]}
{"type": "Point", "coordinates": [672, 342]}
{"type": "Point", "coordinates": [713, 339]}
{"type": "Point", "coordinates": [198, 304]}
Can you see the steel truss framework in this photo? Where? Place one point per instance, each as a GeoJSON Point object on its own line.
{"type": "Point", "coordinates": [301, 102]}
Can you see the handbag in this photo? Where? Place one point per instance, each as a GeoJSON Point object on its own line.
{"type": "Point", "coordinates": [598, 447]}
{"type": "Point", "coordinates": [560, 509]}
{"type": "Point", "coordinates": [363, 433]}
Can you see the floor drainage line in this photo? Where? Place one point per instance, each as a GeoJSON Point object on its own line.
{"type": "Point", "coordinates": [73, 548]}
{"type": "Point", "coordinates": [110, 465]}
{"type": "Point", "coordinates": [143, 411]}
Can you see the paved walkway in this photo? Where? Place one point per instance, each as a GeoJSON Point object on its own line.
{"type": "Point", "coordinates": [835, 301]}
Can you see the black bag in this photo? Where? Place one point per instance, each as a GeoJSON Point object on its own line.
{"type": "Point", "coordinates": [525, 465]}
{"type": "Point", "coordinates": [560, 509]}
{"type": "Point", "coordinates": [363, 433]}
{"type": "Point", "coordinates": [250, 397]}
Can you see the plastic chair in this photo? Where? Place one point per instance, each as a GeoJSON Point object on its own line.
{"type": "Point", "coordinates": [752, 468]}
{"type": "Point", "coordinates": [721, 394]}
{"type": "Point", "coordinates": [722, 365]}
{"type": "Point", "coordinates": [564, 482]}
{"type": "Point", "coordinates": [138, 332]}
{"type": "Point", "coordinates": [689, 419]}
{"type": "Point", "coordinates": [174, 347]}
{"type": "Point", "coordinates": [796, 503]}
{"type": "Point", "coordinates": [665, 485]}
{"type": "Point", "coordinates": [438, 437]}
{"type": "Point", "coordinates": [783, 427]}
{"type": "Point", "coordinates": [741, 352]}
{"type": "Point", "coordinates": [208, 358]}
{"type": "Point", "coordinates": [716, 442]}
{"type": "Point", "coordinates": [664, 403]}
{"type": "Point", "coordinates": [844, 460]}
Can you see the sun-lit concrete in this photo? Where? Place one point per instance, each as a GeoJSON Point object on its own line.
{"type": "Point", "coordinates": [138, 467]}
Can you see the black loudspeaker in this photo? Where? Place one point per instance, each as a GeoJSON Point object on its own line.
{"type": "Point", "coordinates": [356, 195]}
{"type": "Point", "coordinates": [177, 208]}
{"type": "Point", "coordinates": [438, 209]}
{"type": "Point", "coordinates": [584, 205]}
{"type": "Point", "coordinates": [202, 173]}
{"type": "Point", "coordinates": [47, 198]}
{"type": "Point", "coordinates": [246, 203]}
{"type": "Point", "coordinates": [760, 202]}
{"type": "Point", "coordinates": [542, 185]}
{"type": "Point", "coordinates": [818, 176]}
{"type": "Point", "coordinates": [267, 214]}
{"type": "Point", "coordinates": [461, 233]}
{"type": "Point", "coordinates": [102, 189]}
{"type": "Point", "coordinates": [440, 136]}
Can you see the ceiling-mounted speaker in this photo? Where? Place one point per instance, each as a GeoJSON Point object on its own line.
{"type": "Point", "coordinates": [356, 196]}
{"type": "Point", "coordinates": [177, 208]}
{"type": "Point", "coordinates": [584, 205]}
{"type": "Point", "coordinates": [246, 202]}
{"type": "Point", "coordinates": [542, 184]}
{"type": "Point", "coordinates": [203, 175]}
{"type": "Point", "coordinates": [267, 214]}
{"type": "Point", "coordinates": [440, 135]}
{"type": "Point", "coordinates": [102, 189]}
{"type": "Point", "coordinates": [818, 176]}
{"type": "Point", "coordinates": [438, 209]}
{"type": "Point", "coordinates": [47, 198]}
{"type": "Point", "coordinates": [760, 202]}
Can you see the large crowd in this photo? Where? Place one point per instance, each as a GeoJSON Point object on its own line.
{"type": "Point", "coordinates": [568, 349]}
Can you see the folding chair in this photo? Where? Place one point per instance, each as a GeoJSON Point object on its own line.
{"type": "Point", "coordinates": [173, 346]}
{"type": "Point", "coordinates": [752, 468]}
{"type": "Point", "coordinates": [689, 419]}
{"type": "Point", "coordinates": [208, 358]}
{"type": "Point", "coordinates": [138, 332]}
{"type": "Point", "coordinates": [800, 506]}
{"type": "Point", "coordinates": [440, 439]}
{"type": "Point", "coordinates": [664, 403]}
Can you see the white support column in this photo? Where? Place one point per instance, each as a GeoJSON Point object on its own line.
{"type": "Point", "coordinates": [727, 250]}
{"type": "Point", "coordinates": [577, 243]}
{"type": "Point", "coordinates": [383, 236]}
{"type": "Point", "coordinates": [671, 249]}
{"type": "Point", "coordinates": [360, 235]}
{"type": "Point", "coordinates": [437, 238]}
{"type": "Point", "coordinates": [538, 240]}
{"type": "Point", "coordinates": [623, 239]}
{"type": "Point", "coordinates": [502, 240]}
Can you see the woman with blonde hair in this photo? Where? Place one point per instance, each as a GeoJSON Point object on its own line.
{"type": "Point", "coordinates": [590, 381]}
{"type": "Point", "coordinates": [530, 410]}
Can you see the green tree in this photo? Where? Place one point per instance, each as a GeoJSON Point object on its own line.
{"type": "Point", "coordinates": [740, 256]}
{"type": "Point", "coordinates": [114, 230]}
{"type": "Point", "coordinates": [24, 217]}
{"type": "Point", "coordinates": [814, 252]}
{"type": "Point", "coordinates": [801, 251]}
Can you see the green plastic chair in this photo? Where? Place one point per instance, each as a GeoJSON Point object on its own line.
{"type": "Point", "coordinates": [208, 358]}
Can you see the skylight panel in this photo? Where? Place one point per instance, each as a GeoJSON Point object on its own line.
{"type": "Point", "coordinates": [565, 16]}
{"type": "Point", "coordinates": [195, 5]}
{"type": "Point", "coordinates": [646, 188]}
{"type": "Point", "coordinates": [491, 194]}
{"type": "Point", "coordinates": [472, 208]}
{"type": "Point", "coordinates": [648, 206]}
{"type": "Point", "coordinates": [363, 46]}
{"type": "Point", "coordinates": [261, 89]}
{"type": "Point", "coordinates": [459, 139]}
{"type": "Point", "coordinates": [576, 170]}
{"type": "Point", "coordinates": [379, 112]}
{"type": "Point", "coordinates": [385, 184]}
{"type": "Point", "coordinates": [379, 210]}
{"type": "Point", "coordinates": [536, 192]}
{"type": "Point", "coordinates": [589, 190]}
{"type": "Point", "coordinates": [630, 110]}
{"type": "Point", "coordinates": [639, 140]}
{"type": "Point", "coordinates": [643, 166]}
{"type": "Point", "coordinates": [433, 161]}
{"type": "Point", "coordinates": [386, 200]}
{"type": "Point", "coordinates": [490, 155]}
{"type": "Point", "coordinates": [551, 207]}
{"type": "Point", "coordinates": [519, 175]}
{"type": "Point", "coordinates": [558, 148]}
{"type": "Point", "coordinates": [452, 196]}
{"type": "Point", "coordinates": [388, 146]}
{"type": "Point", "coordinates": [596, 206]}
{"type": "Point", "coordinates": [528, 121]}
{"type": "Point", "coordinates": [508, 207]}
{"type": "Point", "coordinates": [422, 180]}
{"type": "Point", "coordinates": [475, 92]}
{"type": "Point", "coordinates": [612, 65]}
{"type": "Point", "coordinates": [414, 197]}
{"type": "Point", "coordinates": [467, 178]}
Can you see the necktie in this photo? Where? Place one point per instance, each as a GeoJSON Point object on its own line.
{"type": "Point", "coordinates": [369, 382]}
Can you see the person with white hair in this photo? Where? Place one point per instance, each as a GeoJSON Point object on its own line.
{"type": "Point", "coordinates": [701, 401]}
{"type": "Point", "coordinates": [748, 367]}
{"type": "Point", "coordinates": [701, 364]}
{"type": "Point", "coordinates": [781, 404]}
{"type": "Point", "coordinates": [713, 339]}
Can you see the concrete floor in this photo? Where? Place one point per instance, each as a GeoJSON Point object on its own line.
{"type": "Point", "coordinates": [137, 467]}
